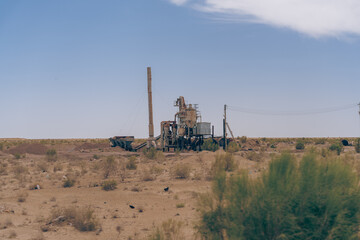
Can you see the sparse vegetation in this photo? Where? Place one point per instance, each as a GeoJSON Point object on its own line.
{"type": "Point", "coordinates": [69, 182]}
{"type": "Point", "coordinates": [357, 145]}
{"type": "Point", "coordinates": [300, 146]}
{"type": "Point", "coordinates": [22, 196]}
{"type": "Point", "coordinates": [210, 145]}
{"type": "Point", "coordinates": [169, 230]}
{"type": "Point", "coordinates": [182, 171]}
{"type": "Point", "coordinates": [336, 147]}
{"type": "Point", "coordinates": [110, 166]}
{"type": "Point", "coordinates": [51, 155]}
{"type": "Point", "coordinates": [109, 185]}
{"type": "Point", "coordinates": [83, 219]}
{"type": "Point", "coordinates": [223, 162]}
{"type": "Point", "coordinates": [131, 164]}
{"type": "Point", "coordinates": [180, 205]}
{"type": "Point", "coordinates": [233, 147]}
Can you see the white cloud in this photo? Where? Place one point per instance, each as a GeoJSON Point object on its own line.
{"type": "Point", "coordinates": [179, 2]}
{"type": "Point", "coordinates": [313, 17]}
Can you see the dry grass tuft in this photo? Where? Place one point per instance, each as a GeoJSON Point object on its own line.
{"type": "Point", "coordinates": [83, 219]}
{"type": "Point", "coordinates": [181, 171]}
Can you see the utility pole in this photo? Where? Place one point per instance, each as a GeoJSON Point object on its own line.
{"type": "Point", "coordinates": [151, 125]}
{"type": "Point", "coordinates": [359, 115]}
{"type": "Point", "coordinates": [224, 126]}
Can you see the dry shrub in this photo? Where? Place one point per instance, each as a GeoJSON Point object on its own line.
{"type": "Point", "coordinates": [224, 162]}
{"type": "Point", "coordinates": [20, 169]}
{"type": "Point", "coordinates": [110, 166]}
{"type": "Point", "coordinates": [180, 205]}
{"type": "Point", "coordinates": [131, 164]}
{"type": "Point", "coordinates": [43, 166]}
{"type": "Point", "coordinates": [3, 169]}
{"type": "Point", "coordinates": [83, 219]}
{"type": "Point", "coordinates": [109, 185]}
{"type": "Point", "coordinates": [69, 182]}
{"type": "Point", "coordinates": [256, 157]}
{"type": "Point", "coordinates": [6, 224]}
{"type": "Point", "coordinates": [147, 176]}
{"type": "Point", "coordinates": [182, 171]}
{"type": "Point", "coordinates": [156, 170]}
{"type": "Point", "coordinates": [20, 172]}
{"type": "Point", "coordinates": [21, 197]}
{"type": "Point", "coordinates": [51, 155]}
{"type": "Point", "coordinates": [12, 234]}
{"type": "Point", "coordinates": [233, 147]}
{"type": "Point", "coordinates": [58, 167]}
{"type": "Point", "coordinates": [169, 230]}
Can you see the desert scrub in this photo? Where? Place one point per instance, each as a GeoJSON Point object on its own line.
{"type": "Point", "coordinates": [109, 185]}
{"type": "Point", "coordinates": [357, 145]}
{"type": "Point", "coordinates": [51, 155]}
{"type": "Point", "coordinates": [210, 145]}
{"type": "Point", "coordinates": [21, 197]}
{"type": "Point", "coordinates": [223, 162]}
{"type": "Point", "coordinates": [83, 219]}
{"type": "Point", "coordinates": [169, 230]}
{"type": "Point", "coordinates": [180, 205]}
{"type": "Point", "coordinates": [131, 164]}
{"type": "Point", "coordinates": [150, 153]}
{"type": "Point", "coordinates": [110, 166]}
{"type": "Point", "coordinates": [300, 146]}
{"type": "Point", "coordinates": [311, 199]}
{"type": "Point", "coordinates": [181, 171]}
{"type": "Point", "coordinates": [147, 176]}
{"type": "Point", "coordinates": [337, 147]}
{"type": "Point", "coordinates": [233, 147]}
{"type": "Point", "coordinates": [69, 182]}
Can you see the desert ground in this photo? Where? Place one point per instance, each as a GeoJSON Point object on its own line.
{"type": "Point", "coordinates": [48, 188]}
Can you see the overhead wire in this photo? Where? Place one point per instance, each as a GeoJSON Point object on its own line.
{"type": "Point", "coordinates": [291, 113]}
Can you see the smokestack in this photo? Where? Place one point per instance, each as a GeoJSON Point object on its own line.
{"type": "Point", "coordinates": [151, 125]}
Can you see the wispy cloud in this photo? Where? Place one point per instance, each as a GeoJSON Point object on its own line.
{"type": "Point", "coordinates": [317, 18]}
{"type": "Point", "coordinates": [179, 2]}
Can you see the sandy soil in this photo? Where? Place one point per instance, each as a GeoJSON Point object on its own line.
{"type": "Point", "coordinates": [26, 214]}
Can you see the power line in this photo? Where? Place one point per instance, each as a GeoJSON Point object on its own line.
{"type": "Point", "coordinates": [291, 113]}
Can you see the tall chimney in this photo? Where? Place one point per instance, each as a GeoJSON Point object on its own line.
{"type": "Point", "coordinates": [151, 125]}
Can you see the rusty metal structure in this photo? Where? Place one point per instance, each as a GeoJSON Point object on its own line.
{"type": "Point", "coordinates": [185, 131]}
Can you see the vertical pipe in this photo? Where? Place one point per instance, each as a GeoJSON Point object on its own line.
{"type": "Point", "coordinates": [151, 125]}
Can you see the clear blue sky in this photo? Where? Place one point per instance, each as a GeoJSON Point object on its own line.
{"type": "Point", "coordinates": [72, 69]}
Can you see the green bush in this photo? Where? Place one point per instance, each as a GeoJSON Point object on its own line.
{"type": "Point", "coordinates": [336, 147]}
{"type": "Point", "coordinates": [109, 185]}
{"type": "Point", "coordinates": [210, 145]}
{"type": "Point", "coordinates": [300, 146]}
{"type": "Point", "coordinates": [310, 200]}
{"type": "Point", "coordinates": [357, 145]}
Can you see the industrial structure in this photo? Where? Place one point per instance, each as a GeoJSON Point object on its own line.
{"type": "Point", "coordinates": [185, 132]}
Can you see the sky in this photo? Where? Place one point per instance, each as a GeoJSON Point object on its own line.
{"type": "Point", "coordinates": [77, 69]}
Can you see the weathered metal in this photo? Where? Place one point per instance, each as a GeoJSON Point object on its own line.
{"type": "Point", "coordinates": [122, 141]}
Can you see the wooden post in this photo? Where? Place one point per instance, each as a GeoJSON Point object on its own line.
{"type": "Point", "coordinates": [225, 142]}
{"type": "Point", "coordinates": [151, 125]}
